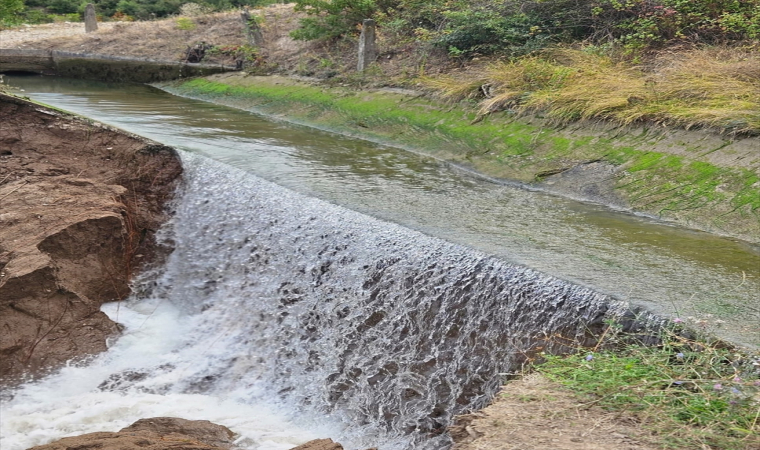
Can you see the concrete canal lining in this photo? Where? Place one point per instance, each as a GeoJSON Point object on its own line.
{"type": "Point", "coordinates": [102, 67]}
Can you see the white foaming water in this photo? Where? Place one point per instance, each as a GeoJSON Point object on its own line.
{"type": "Point", "coordinates": [136, 379]}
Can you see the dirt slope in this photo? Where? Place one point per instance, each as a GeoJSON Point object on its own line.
{"type": "Point", "coordinates": [79, 207]}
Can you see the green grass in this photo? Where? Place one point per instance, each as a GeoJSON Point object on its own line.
{"type": "Point", "coordinates": [690, 394]}
{"type": "Point", "coordinates": [665, 182]}
{"type": "Point", "coordinates": [374, 113]}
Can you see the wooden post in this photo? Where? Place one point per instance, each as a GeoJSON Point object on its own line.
{"type": "Point", "coordinates": [367, 47]}
{"type": "Point", "coordinates": [90, 20]}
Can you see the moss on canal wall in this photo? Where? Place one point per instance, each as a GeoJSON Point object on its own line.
{"type": "Point", "coordinates": [694, 178]}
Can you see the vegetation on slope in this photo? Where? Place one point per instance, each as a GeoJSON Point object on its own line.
{"type": "Point", "coordinates": [578, 60]}
{"type": "Point", "coordinates": [688, 393]}
{"type": "Point", "coordinates": [466, 28]}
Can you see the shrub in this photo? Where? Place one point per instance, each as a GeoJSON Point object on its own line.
{"type": "Point", "coordinates": [36, 16]}
{"type": "Point", "coordinates": [193, 9]}
{"type": "Point", "coordinates": [329, 19]}
{"type": "Point", "coordinates": [9, 10]}
{"type": "Point", "coordinates": [641, 24]}
{"type": "Point", "coordinates": [183, 23]}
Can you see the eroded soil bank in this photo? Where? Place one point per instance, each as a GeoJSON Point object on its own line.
{"type": "Point", "coordinates": [79, 207]}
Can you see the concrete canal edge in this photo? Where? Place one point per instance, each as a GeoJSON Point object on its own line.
{"type": "Point", "coordinates": [698, 179]}
{"type": "Point", "coordinates": [101, 67]}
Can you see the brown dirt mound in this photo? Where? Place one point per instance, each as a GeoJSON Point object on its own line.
{"type": "Point", "coordinates": [158, 433]}
{"type": "Point", "coordinates": [167, 433]}
{"type": "Point", "coordinates": [79, 207]}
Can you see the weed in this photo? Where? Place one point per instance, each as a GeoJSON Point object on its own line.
{"type": "Point", "coordinates": [186, 24]}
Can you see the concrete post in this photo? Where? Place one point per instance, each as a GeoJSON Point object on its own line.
{"type": "Point", "coordinates": [252, 29]}
{"type": "Point", "coordinates": [90, 20]}
{"type": "Point", "coordinates": [367, 46]}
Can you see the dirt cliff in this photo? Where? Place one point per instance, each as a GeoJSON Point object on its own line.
{"type": "Point", "coordinates": [79, 207]}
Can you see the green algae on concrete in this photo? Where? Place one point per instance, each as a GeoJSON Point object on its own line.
{"type": "Point", "coordinates": [695, 178]}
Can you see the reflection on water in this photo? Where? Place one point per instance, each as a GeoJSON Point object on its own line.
{"type": "Point", "coordinates": [667, 269]}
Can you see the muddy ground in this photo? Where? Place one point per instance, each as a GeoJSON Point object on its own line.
{"type": "Point", "coordinates": [79, 208]}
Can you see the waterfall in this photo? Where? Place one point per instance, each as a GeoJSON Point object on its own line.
{"type": "Point", "coordinates": [338, 321]}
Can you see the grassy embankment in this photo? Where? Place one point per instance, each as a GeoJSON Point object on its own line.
{"type": "Point", "coordinates": [665, 173]}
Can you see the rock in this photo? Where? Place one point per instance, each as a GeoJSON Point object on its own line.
{"type": "Point", "coordinates": [319, 444]}
{"type": "Point", "coordinates": [322, 444]}
{"type": "Point", "coordinates": [196, 53]}
{"type": "Point", "coordinates": [200, 430]}
{"type": "Point", "coordinates": [78, 202]}
{"type": "Point", "coordinates": [167, 433]}
{"type": "Point", "coordinates": [158, 433]}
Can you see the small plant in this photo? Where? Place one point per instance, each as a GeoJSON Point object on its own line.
{"type": "Point", "coordinates": [184, 23]}
{"type": "Point", "coordinates": [692, 393]}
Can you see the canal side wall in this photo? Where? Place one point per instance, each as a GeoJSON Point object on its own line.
{"type": "Point", "coordinates": [694, 178]}
{"type": "Point", "coordinates": [101, 67]}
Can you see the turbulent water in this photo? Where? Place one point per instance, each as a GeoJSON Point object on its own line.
{"type": "Point", "coordinates": [276, 309]}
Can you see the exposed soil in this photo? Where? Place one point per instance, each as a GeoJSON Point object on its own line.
{"type": "Point", "coordinates": [535, 414]}
{"type": "Point", "coordinates": [79, 207]}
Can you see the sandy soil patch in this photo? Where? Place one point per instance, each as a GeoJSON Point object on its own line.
{"type": "Point", "coordinates": [535, 414]}
{"type": "Point", "coordinates": [27, 36]}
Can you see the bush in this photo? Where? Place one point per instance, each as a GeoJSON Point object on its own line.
{"type": "Point", "coordinates": [329, 19]}
{"type": "Point", "coordinates": [193, 9]}
{"type": "Point", "coordinates": [9, 11]}
{"type": "Point", "coordinates": [642, 24]}
{"type": "Point", "coordinates": [487, 32]}
{"type": "Point", "coordinates": [466, 28]}
{"type": "Point", "coordinates": [36, 16]}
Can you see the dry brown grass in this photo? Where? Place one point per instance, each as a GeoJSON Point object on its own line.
{"type": "Point", "coordinates": [717, 87]}
{"type": "Point", "coordinates": [160, 39]}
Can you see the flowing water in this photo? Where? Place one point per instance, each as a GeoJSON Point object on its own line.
{"type": "Point", "coordinates": [287, 316]}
